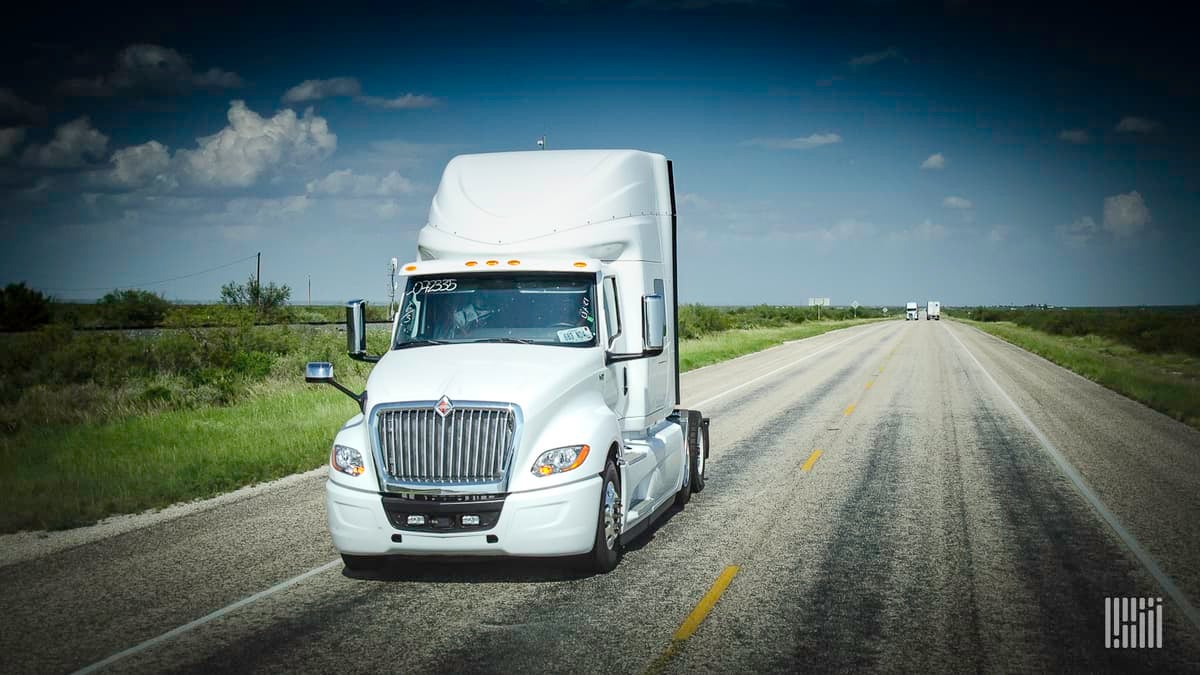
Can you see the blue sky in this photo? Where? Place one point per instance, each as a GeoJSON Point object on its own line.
{"type": "Point", "coordinates": [882, 153]}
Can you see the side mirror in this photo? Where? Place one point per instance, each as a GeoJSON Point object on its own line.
{"type": "Point", "coordinates": [356, 331]}
{"type": "Point", "coordinates": [654, 331]}
{"type": "Point", "coordinates": [654, 321]}
{"type": "Point", "coordinates": [318, 372]}
{"type": "Point", "coordinates": [321, 372]}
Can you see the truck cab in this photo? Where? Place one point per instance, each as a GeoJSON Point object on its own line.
{"type": "Point", "coordinates": [911, 312]}
{"type": "Point", "coordinates": [528, 402]}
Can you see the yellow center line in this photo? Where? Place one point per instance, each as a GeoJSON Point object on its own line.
{"type": "Point", "coordinates": [812, 459]}
{"type": "Point", "coordinates": [849, 409]}
{"type": "Point", "coordinates": [693, 620]}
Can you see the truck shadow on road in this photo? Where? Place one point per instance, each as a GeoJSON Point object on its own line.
{"type": "Point", "coordinates": [498, 570]}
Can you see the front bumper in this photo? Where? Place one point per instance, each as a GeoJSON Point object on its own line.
{"type": "Point", "coordinates": [555, 521]}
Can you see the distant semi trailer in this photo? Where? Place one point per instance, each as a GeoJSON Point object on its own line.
{"type": "Point", "coordinates": [933, 310]}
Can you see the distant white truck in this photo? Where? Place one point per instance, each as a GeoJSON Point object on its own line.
{"type": "Point", "coordinates": [933, 310]}
{"type": "Point", "coordinates": [910, 312]}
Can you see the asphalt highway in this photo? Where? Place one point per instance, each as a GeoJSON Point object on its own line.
{"type": "Point", "coordinates": [902, 496]}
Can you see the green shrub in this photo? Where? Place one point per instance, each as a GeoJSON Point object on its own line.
{"type": "Point", "coordinates": [269, 300]}
{"type": "Point", "coordinates": [23, 308]}
{"type": "Point", "coordinates": [133, 309]}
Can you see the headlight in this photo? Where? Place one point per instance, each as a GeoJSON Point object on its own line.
{"type": "Point", "coordinates": [347, 460]}
{"type": "Point", "coordinates": [559, 460]}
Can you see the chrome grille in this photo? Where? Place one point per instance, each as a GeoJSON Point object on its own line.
{"type": "Point", "coordinates": [468, 445]}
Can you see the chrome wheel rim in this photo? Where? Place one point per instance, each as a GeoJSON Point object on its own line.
{"type": "Point", "coordinates": [610, 515]}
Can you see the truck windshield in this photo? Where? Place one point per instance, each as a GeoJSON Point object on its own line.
{"type": "Point", "coordinates": [535, 308]}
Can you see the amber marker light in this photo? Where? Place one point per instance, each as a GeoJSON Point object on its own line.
{"type": "Point", "coordinates": [410, 268]}
{"type": "Point", "coordinates": [493, 263]}
{"type": "Point", "coordinates": [472, 263]}
{"type": "Point", "coordinates": [514, 263]}
{"type": "Point", "coordinates": [580, 263]}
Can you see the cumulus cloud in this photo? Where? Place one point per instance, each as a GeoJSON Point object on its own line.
{"type": "Point", "coordinates": [405, 102]}
{"type": "Point", "coordinates": [1137, 125]}
{"type": "Point", "coordinates": [925, 231]}
{"type": "Point", "coordinates": [74, 143]}
{"type": "Point", "coordinates": [139, 165]}
{"type": "Point", "coordinates": [1079, 232]}
{"type": "Point", "coordinates": [799, 143]}
{"type": "Point", "coordinates": [1076, 136]}
{"type": "Point", "coordinates": [935, 161]}
{"type": "Point", "coordinates": [315, 90]}
{"type": "Point", "coordinates": [15, 110]}
{"type": "Point", "coordinates": [251, 145]}
{"type": "Point", "coordinates": [147, 68]}
{"type": "Point", "coordinates": [346, 183]}
{"type": "Point", "coordinates": [10, 139]}
{"type": "Point", "coordinates": [872, 58]}
{"type": "Point", "coordinates": [1125, 215]}
{"type": "Point", "coordinates": [956, 203]}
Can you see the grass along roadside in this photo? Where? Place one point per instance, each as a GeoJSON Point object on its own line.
{"type": "Point", "coordinates": [725, 345]}
{"type": "Point", "coordinates": [56, 477]}
{"type": "Point", "coordinates": [1169, 383]}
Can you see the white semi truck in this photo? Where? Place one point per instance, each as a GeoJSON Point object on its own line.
{"type": "Point", "coordinates": [528, 402]}
{"type": "Point", "coordinates": [933, 310]}
{"type": "Point", "coordinates": [911, 312]}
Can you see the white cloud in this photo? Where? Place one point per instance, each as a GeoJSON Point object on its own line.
{"type": "Point", "coordinates": [1077, 136]}
{"type": "Point", "coordinates": [347, 183]}
{"type": "Point", "coordinates": [925, 231]}
{"type": "Point", "coordinates": [1125, 215]}
{"type": "Point", "coordinates": [800, 143]}
{"type": "Point", "coordinates": [998, 233]}
{"type": "Point", "coordinates": [1137, 125]}
{"type": "Point", "coordinates": [1079, 232]}
{"type": "Point", "coordinates": [151, 69]}
{"type": "Point", "coordinates": [16, 110]}
{"type": "Point", "coordinates": [692, 202]}
{"type": "Point", "coordinates": [873, 58]}
{"type": "Point", "coordinates": [138, 165]}
{"type": "Point", "coordinates": [73, 144]}
{"type": "Point", "coordinates": [956, 203]}
{"type": "Point", "coordinates": [405, 102]}
{"type": "Point", "coordinates": [252, 145]}
{"type": "Point", "coordinates": [935, 161]}
{"type": "Point", "coordinates": [10, 139]}
{"type": "Point", "coordinates": [315, 90]}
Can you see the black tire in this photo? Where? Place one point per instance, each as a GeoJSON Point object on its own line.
{"type": "Point", "coordinates": [362, 563]}
{"type": "Point", "coordinates": [606, 553]}
{"type": "Point", "coordinates": [698, 442]}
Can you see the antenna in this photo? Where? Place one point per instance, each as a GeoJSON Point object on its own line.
{"type": "Point", "coordinates": [392, 309]}
{"type": "Point", "coordinates": [542, 142]}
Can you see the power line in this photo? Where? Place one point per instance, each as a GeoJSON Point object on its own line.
{"type": "Point", "coordinates": [153, 283]}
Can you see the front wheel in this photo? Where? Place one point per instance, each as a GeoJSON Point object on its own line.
{"type": "Point", "coordinates": [606, 549]}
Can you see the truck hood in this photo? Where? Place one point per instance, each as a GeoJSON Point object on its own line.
{"type": "Point", "coordinates": [531, 376]}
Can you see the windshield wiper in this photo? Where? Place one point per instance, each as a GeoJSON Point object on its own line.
{"type": "Point", "coordinates": [509, 340]}
{"type": "Point", "coordinates": [420, 343]}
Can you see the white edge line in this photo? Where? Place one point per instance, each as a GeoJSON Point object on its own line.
{"type": "Point", "coordinates": [1148, 562]}
{"type": "Point", "coordinates": [176, 632]}
{"type": "Point", "coordinates": [782, 368]}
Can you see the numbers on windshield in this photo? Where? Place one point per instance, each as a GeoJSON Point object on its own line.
{"type": "Point", "coordinates": [434, 286]}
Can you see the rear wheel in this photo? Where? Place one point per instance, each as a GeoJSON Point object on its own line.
{"type": "Point", "coordinates": [606, 549]}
